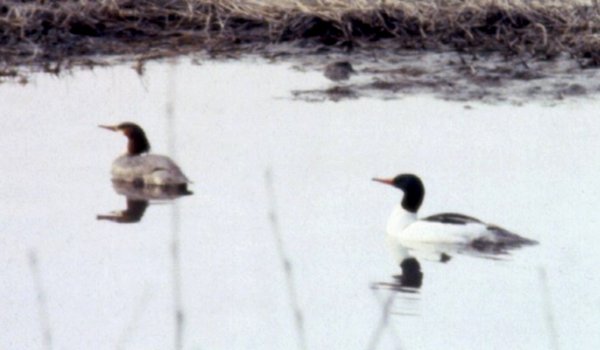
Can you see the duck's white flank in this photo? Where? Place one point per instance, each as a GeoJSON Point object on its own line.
{"type": "Point", "coordinates": [404, 226]}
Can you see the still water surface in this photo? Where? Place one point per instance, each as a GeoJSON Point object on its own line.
{"type": "Point", "coordinates": [532, 169]}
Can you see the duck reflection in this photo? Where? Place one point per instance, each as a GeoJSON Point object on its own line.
{"type": "Point", "coordinates": [411, 273]}
{"type": "Point", "coordinates": [138, 199]}
{"type": "Point", "coordinates": [409, 281]}
{"type": "Point", "coordinates": [134, 212]}
{"type": "Point", "coordinates": [400, 296]}
{"type": "Point", "coordinates": [444, 252]}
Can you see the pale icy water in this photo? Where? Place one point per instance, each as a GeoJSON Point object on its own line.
{"type": "Point", "coordinates": [532, 169]}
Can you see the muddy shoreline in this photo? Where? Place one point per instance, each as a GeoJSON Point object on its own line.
{"type": "Point", "coordinates": [33, 32]}
{"type": "Point", "coordinates": [488, 78]}
{"type": "Point", "coordinates": [485, 43]}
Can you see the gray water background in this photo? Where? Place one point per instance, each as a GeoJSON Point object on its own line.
{"type": "Point", "coordinates": [533, 169]}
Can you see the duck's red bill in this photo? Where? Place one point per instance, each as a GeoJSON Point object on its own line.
{"type": "Point", "coordinates": [384, 181]}
{"type": "Point", "coordinates": [108, 127]}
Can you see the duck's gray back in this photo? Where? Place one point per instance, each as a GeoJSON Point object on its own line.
{"type": "Point", "coordinates": [150, 169]}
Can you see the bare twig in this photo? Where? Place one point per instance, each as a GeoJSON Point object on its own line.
{"type": "Point", "coordinates": [41, 300]}
{"type": "Point", "coordinates": [386, 310]}
{"type": "Point", "coordinates": [548, 309]}
{"type": "Point", "coordinates": [135, 317]}
{"type": "Point", "coordinates": [286, 265]}
{"type": "Point", "coordinates": [175, 253]}
{"type": "Point", "coordinates": [176, 279]}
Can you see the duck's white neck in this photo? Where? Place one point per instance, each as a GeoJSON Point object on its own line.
{"type": "Point", "coordinates": [399, 219]}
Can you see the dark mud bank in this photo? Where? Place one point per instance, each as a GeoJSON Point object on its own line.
{"type": "Point", "coordinates": [488, 78]}
{"type": "Point", "coordinates": [491, 42]}
{"type": "Point", "coordinates": [39, 31]}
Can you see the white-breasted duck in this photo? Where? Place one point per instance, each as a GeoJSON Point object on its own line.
{"type": "Point", "coordinates": [404, 225]}
{"type": "Point", "coordinates": [138, 167]}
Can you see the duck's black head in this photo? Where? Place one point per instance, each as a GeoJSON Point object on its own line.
{"type": "Point", "coordinates": [138, 143]}
{"type": "Point", "coordinates": [413, 189]}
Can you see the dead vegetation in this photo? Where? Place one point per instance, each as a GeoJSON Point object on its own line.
{"type": "Point", "coordinates": [37, 32]}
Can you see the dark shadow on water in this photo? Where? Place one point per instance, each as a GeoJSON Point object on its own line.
{"type": "Point", "coordinates": [138, 199]}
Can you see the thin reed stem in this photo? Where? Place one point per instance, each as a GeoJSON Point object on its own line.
{"type": "Point", "coordinates": [41, 301]}
{"type": "Point", "coordinates": [386, 310]}
{"type": "Point", "coordinates": [178, 310]}
{"type": "Point", "coordinates": [286, 264]}
{"type": "Point", "coordinates": [548, 309]}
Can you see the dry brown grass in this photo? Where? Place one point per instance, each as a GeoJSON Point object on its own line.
{"type": "Point", "coordinates": [34, 32]}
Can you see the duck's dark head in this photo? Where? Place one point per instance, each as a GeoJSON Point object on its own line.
{"type": "Point", "coordinates": [138, 143]}
{"type": "Point", "coordinates": [413, 189]}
